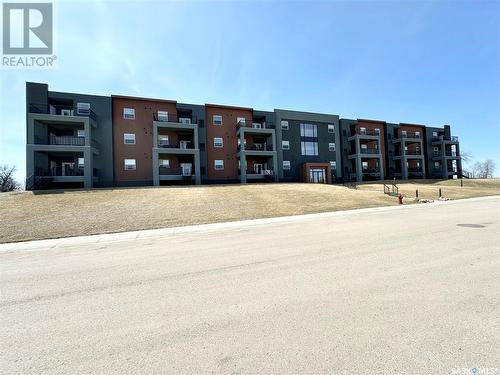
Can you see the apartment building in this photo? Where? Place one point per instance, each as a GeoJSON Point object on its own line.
{"type": "Point", "coordinates": [85, 141]}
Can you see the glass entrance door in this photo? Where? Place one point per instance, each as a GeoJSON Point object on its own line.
{"type": "Point", "coordinates": [317, 176]}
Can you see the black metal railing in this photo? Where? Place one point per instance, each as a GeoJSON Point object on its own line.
{"type": "Point", "coordinates": [174, 171]}
{"type": "Point", "coordinates": [370, 170]}
{"type": "Point", "coordinates": [415, 170]}
{"type": "Point", "coordinates": [366, 132]}
{"type": "Point", "coordinates": [178, 118]}
{"type": "Point", "coordinates": [453, 138]}
{"type": "Point", "coordinates": [369, 151]}
{"type": "Point", "coordinates": [183, 146]}
{"type": "Point", "coordinates": [263, 172]}
{"type": "Point", "coordinates": [409, 135]}
{"type": "Point", "coordinates": [256, 147]}
{"type": "Point", "coordinates": [413, 152]}
{"type": "Point", "coordinates": [254, 124]}
{"type": "Point", "coordinates": [59, 171]}
{"type": "Point", "coordinates": [61, 110]}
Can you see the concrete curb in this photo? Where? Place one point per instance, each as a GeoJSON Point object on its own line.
{"type": "Point", "coordinates": [163, 232]}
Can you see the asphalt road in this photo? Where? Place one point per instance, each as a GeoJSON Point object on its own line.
{"type": "Point", "coordinates": [392, 291]}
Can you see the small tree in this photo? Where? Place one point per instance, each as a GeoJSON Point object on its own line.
{"type": "Point", "coordinates": [7, 181]}
{"type": "Point", "coordinates": [484, 169]}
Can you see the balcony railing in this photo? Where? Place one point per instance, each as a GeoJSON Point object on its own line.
{"type": "Point", "coordinates": [370, 170]}
{"type": "Point", "coordinates": [453, 138]}
{"type": "Point", "coordinates": [415, 170]}
{"type": "Point", "coordinates": [256, 147]}
{"type": "Point", "coordinates": [61, 110]}
{"type": "Point", "coordinates": [263, 172]}
{"type": "Point", "coordinates": [167, 171]}
{"type": "Point", "coordinates": [180, 119]}
{"type": "Point", "coordinates": [254, 125]}
{"type": "Point", "coordinates": [182, 146]}
{"type": "Point", "coordinates": [413, 152]}
{"type": "Point", "coordinates": [59, 171]}
{"type": "Point", "coordinates": [366, 132]}
{"type": "Point", "coordinates": [370, 151]}
{"type": "Point", "coordinates": [409, 135]}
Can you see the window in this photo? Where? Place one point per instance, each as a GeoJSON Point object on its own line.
{"type": "Point", "coordinates": [403, 133]}
{"type": "Point", "coordinates": [184, 120]}
{"type": "Point", "coordinates": [81, 162]}
{"type": "Point", "coordinates": [162, 116]}
{"type": "Point", "coordinates": [129, 113]}
{"type": "Point", "coordinates": [83, 108]}
{"type": "Point", "coordinates": [285, 145]}
{"type": "Point", "coordinates": [434, 134]}
{"type": "Point", "coordinates": [286, 165]}
{"type": "Point", "coordinates": [217, 119]}
{"type": "Point", "coordinates": [377, 131]}
{"type": "Point", "coordinates": [436, 164]}
{"type": "Point", "coordinates": [309, 148]}
{"type": "Point", "coordinates": [308, 130]}
{"type": "Point", "coordinates": [331, 146]}
{"type": "Point", "coordinates": [218, 142]}
{"type": "Point", "coordinates": [219, 164]}
{"type": "Point", "coordinates": [362, 131]}
{"type": "Point", "coordinates": [165, 163]}
{"type": "Point", "coordinates": [163, 140]}
{"type": "Point", "coordinates": [333, 165]}
{"type": "Point", "coordinates": [331, 128]}
{"type": "Point", "coordinates": [129, 139]}
{"type": "Point", "coordinates": [417, 134]}
{"type": "Point", "coordinates": [80, 133]}
{"type": "Point", "coordinates": [364, 165]}
{"type": "Point", "coordinates": [129, 164]}
{"type": "Point", "coordinates": [284, 125]}
{"type": "Point", "coordinates": [364, 145]}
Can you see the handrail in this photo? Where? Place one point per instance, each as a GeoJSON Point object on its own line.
{"type": "Point", "coordinates": [57, 110]}
{"type": "Point", "coordinates": [253, 124]}
{"type": "Point", "coordinates": [171, 117]}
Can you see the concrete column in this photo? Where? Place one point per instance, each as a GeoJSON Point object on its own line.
{"type": "Point", "coordinates": [243, 167]}
{"type": "Point", "coordinates": [404, 166]}
{"type": "Point", "coordinates": [381, 165]}
{"type": "Point", "coordinates": [86, 127]}
{"type": "Point", "coordinates": [197, 170]}
{"type": "Point", "coordinates": [88, 171]}
{"type": "Point", "coordinates": [155, 135]}
{"type": "Point", "coordinates": [275, 167]}
{"type": "Point", "coordinates": [359, 169]}
{"type": "Point", "coordinates": [243, 158]}
{"type": "Point", "coordinates": [156, 171]}
{"type": "Point", "coordinates": [30, 161]}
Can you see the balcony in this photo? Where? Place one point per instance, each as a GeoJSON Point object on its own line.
{"type": "Point", "coordinates": [61, 110]}
{"type": "Point", "coordinates": [179, 119]}
{"type": "Point", "coordinates": [180, 172]}
{"type": "Point", "coordinates": [65, 140]}
{"type": "Point", "coordinates": [59, 171]}
{"type": "Point", "coordinates": [262, 174]}
{"type": "Point", "coordinates": [371, 170]}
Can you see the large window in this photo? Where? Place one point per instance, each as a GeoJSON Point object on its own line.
{"type": "Point", "coordinates": [129, 164]}
{"type": "Point", "coordinates": [308, 130]}
{"type": "Point", "coordinates": [219, 164]}
{"type": "Point", "coordinates": [309, 148]}
{"type": "Point", "coordinates": [217, 119]}
{"type": "Point", "coordinates": [129, 113]}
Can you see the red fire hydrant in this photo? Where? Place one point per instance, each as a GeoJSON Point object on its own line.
{"type": "Point", "coordinates": [400, 199]}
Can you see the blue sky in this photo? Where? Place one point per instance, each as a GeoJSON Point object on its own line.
{"type": "Point", "coordinates": [428, 62]}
